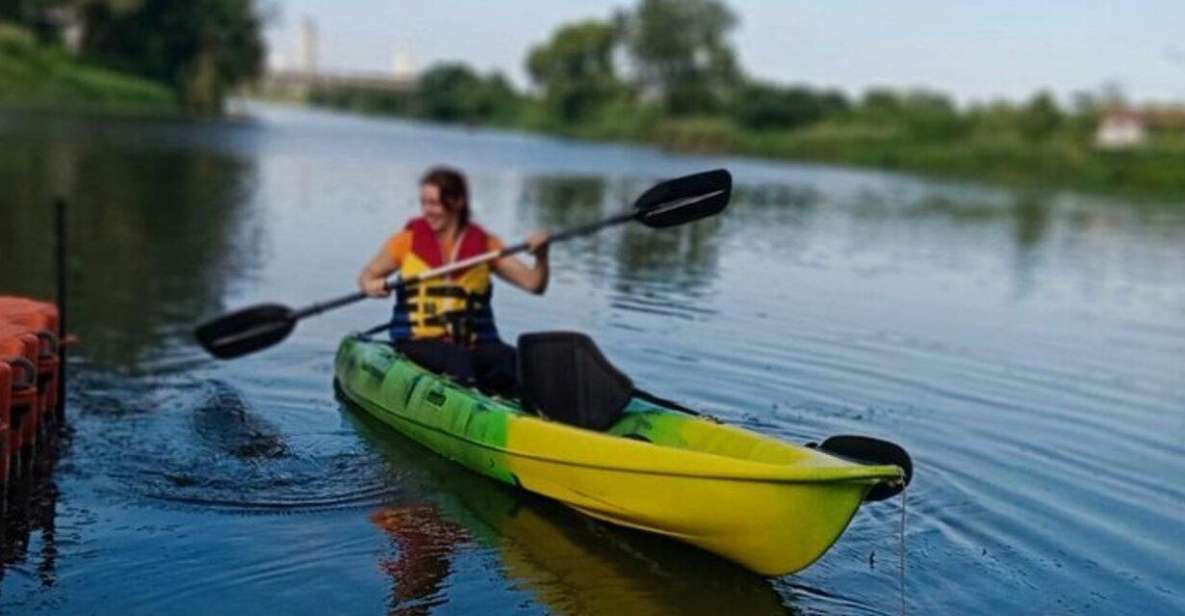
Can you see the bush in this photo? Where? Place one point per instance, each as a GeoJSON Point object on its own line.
{"type": "Point", "coordinates": [455, 93]}
{"type": "Point", "coordinates": [761, 106]}
{"type": "Point", "coordinates": [696, 134]}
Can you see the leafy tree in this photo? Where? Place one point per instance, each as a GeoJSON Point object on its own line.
{"type": "Point", "coordinates": [1040, 117]}
{"type": "Point", "coordinates": [445, 90]}
{"type": "Point", "coordinates": [203, 48]}
{"type": "Point", "coordinates": [496, 100]}
{"type": "Point", "coordinates": [881, 100]}
{"type": "Point", "coordinates": [36, 15]}
{"type": "Point", "coordinates": [681, 53]}
{"type": "Point", "coordinates": [24, 12]}
{"type": "Point", "coordinates": [575, 69]}
{"type": "Point", "coordinates": [766, 106]}
{"type": "Point", "coordinates": [453, 92]}
{"type": "Point", "coordinates": [923, 114]}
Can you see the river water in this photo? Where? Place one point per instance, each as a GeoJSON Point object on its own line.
{"type": "Point", "coordinates": [1026, 346]}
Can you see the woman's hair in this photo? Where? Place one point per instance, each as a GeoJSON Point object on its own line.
{"type": "Point", "coordinates": [454, 194]}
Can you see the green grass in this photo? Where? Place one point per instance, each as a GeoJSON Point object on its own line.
{"type": "Point", "coordinates": [32, 75]}
{"type": "Point", "coordinates": [1066, 158]}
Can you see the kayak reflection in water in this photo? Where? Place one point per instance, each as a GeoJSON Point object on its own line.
{"type": "Point", "coordinates": [447, 324]}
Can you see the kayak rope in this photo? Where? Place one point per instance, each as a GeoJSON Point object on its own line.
{"type": "Point", "coordinates": [901, 548]}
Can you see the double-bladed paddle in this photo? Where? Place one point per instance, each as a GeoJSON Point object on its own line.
{"type": "Point", "coordinates": [667, 204]}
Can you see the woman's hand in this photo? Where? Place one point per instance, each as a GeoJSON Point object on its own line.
{"type": "Point", "coordinates": [375, 287]}
{"type": "Point", "coordinates": [532, 279]}
{"type": "Point", "coordinates": [538, 244]}
{"type": "Point", "coordinates": [373, 279]}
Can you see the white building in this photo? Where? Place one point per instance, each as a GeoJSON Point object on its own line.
{"type": "Point", "coordinates": [308, 46]}
{"type": "Point", "coordinates": [1120, 129]}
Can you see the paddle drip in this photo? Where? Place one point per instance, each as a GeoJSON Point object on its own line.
{"type": "Point", "coordinates": [901, 548]}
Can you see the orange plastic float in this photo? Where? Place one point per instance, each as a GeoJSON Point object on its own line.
{"type": "Point", "coordinates": [40, 318]}
{"type": "Point", "coordinates": [19, 351]}
{"type": "Point", "coordinates": [5, 419]}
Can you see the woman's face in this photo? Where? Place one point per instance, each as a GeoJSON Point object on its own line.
{"type": "Point", "coordinates": [433, 210]}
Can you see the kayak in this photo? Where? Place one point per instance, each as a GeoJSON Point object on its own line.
{"type": "Point", "coordinates": [771, 506]}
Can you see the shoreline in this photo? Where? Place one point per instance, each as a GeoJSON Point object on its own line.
{"type": "Point", "coordinates": [1127, 173]}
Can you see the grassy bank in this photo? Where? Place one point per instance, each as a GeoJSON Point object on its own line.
{"type": "Point", "coordinates": [33, 75]}
{"type": "Point", "coordinates": [1067, 158]}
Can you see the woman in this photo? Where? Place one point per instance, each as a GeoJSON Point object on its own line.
{"type": "Point", "coordinates": [447, 324]}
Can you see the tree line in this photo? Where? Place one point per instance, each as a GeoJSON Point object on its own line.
{"type": "Point", "coordinates": [666, 72]}
{"type": "Point", "coordinates": [673, 59]}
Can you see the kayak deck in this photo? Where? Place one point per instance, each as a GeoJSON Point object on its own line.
{"type": "Point", "coordinates": [772, 506]}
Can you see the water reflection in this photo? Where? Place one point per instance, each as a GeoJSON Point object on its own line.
{"type": "Point", "coordinates": [798, 198]}
{"type": "Point", "coordinates": [29, 516]}
{"type": "Point", "coordinates": [156, 235]}
{"type": "Point", "coordinates": [569, 563]}
{"type": "Point", "coordinates": [559, 202]}
{"type": "Point", "coordinates": [1032, 213]}
{"type": "Point", "coordinates": [424, 543]}
{"type": "Point", "coordinates": [661, 272]}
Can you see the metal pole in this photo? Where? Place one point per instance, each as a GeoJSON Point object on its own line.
{"type": "Point", "coordinates": [62, 274]}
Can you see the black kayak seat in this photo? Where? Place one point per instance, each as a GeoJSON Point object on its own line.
{"type": "Point", "coordinates": [564, 377]}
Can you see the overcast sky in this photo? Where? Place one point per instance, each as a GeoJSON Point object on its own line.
{"type": "Point", "coordinates": [975, 50]}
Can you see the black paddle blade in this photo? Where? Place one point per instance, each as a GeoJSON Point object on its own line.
{"type": "Point", "coordinates": [868, 450]}
{"type": "Point", "coordinates": [682, 200]}
{"type": "Point", "coordinates": [245, 331]}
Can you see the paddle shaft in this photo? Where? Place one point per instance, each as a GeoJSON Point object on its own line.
{"type": "Point", "coordinates": [666, 204]}
{"type": "Point", "coordinates": [463, 264]}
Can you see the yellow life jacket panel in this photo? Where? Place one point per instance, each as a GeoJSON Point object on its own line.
{"type": "Point", "coordinates": [456, 306]}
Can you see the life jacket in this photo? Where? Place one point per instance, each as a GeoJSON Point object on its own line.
{"type": "Point", "coordinates": [455, 307]}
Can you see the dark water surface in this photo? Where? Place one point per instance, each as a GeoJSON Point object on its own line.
{"type": "Point", "coordinates": [1027, 347]}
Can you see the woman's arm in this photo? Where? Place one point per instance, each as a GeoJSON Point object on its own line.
{"type": "Point", "coordinates": [530, 279]}
{"type": "Point", "coordinates": [373, 279]}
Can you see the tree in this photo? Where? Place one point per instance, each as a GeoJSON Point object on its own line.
{"type": "Point", "coordinates": [1040, 117]}
{"type": "Point", "coordinates": [453, 92]}
{"type": "Point", "coordinates": [763, 106]}
{"type": "Point", "coordinates": [681, 53]}
{"type": "Point", "coordinates": [445, 90]}
{"type": "Point", "coordinates": [923, 114]}
{"type": "Point", "coordinates": [203, 48]}
{"type": "Point", "coordinates": [575, 69]}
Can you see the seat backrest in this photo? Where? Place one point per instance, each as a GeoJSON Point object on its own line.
{"type": "Point", "coordinates": [564, 377]}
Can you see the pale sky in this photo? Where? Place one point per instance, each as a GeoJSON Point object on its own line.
{"type": "Point", "coordinates": [974, 50]}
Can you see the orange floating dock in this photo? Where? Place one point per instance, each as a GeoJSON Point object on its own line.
{"type": "Point", "coordinates": [20, 354]}
{"type": "Point", "coordinates": [32, 373]}
{"type": "Point", "coordinates": [28, 331]}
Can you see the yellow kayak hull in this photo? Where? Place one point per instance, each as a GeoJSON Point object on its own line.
{"type": "Point", "coordinates": [771, 506]}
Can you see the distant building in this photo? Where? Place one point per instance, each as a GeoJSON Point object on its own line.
{"type": "Point", "coordinates": [294, 78]}
{"type": "Point", "coordinates": [308, 45]}
{"type": "Point", "coordinates": [1125, 127]}
{"type": "Point", "coordinates": [403, 65]}
{"type": "Point", "coordinates": [1121, 128]}
{"type": "Point", "coordinates": [277, 62]}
